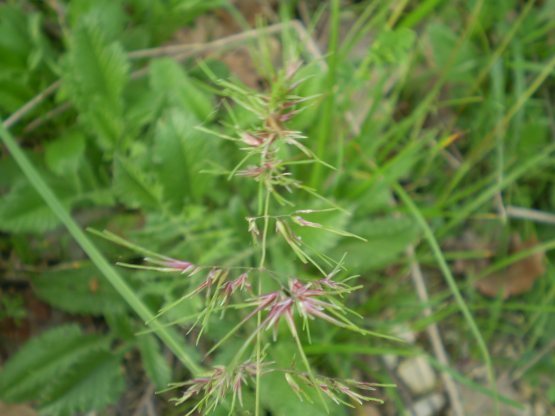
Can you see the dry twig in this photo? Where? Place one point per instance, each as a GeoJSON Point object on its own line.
{"type": "Point", "coordinates": [31, 104]}
{"type": "Point", "coordinates": [433, 333]}
{"type": "Point", "coordinates": [145, 403]}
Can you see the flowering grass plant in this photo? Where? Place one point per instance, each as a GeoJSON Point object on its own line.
{"type": "Point", "coordinates": [271, 151]}
{"type": "Point", "coordinates": [424, 127]}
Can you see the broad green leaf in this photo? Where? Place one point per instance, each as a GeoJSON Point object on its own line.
{"type": "Point", "coordinates": [95, 75]}
{"type": "Point", "coordinates": [134, 187]}
{"type": "Point", "coordinates": [161, 18]}
{"type": "Point", "coordinates": [143, 108]}
{"type": "Point", "coordinates": [496, 12]}
{"type": "Point", "coordinates": [23, 210]}
{"type": "Point", "coordinates": [109, 14]}
{"type": "Point", "coordinates": [402, 164]}
{"type": "Point", "coordinates": [64, 154]}
{"type": "Point", "coordinates": [23, 48]}
{"type": "Point", "coordinates": [10, 174]}
{"type": "Point", "coordinates": [534, 138]}
{"type": "Point", "coordinates": [154, 362]}
{"type": "Point", "coordinates": [178, 89]}
{"type": "Point", "coordinates": [392, 46]}
{"type": "Point", "coordinates": [443, 41]}
{"type": "Point", "coordinates": [122, 325]}
{"type": "Point", "coordinates": [78, 290]}
{"type": "Point", "coordinates": [15, 42]}
{"type": "Point", "coordinates": [181, 153]}
{"type": "Point", "coordinates": [91, 384]}
{"type": "Point", "coordinates": [45, 358]}
{"type": "Point", "coordinates": [13, 92]}
{"type": "Point", "coordinates": [387, 238]}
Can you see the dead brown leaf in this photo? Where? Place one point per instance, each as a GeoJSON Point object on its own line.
{"type": "Point", "coordinates": [16, 410]}
{"type": "Point", "coordinates": [517, 278]}
{"type": "Point", "coordinates": [367, 410]}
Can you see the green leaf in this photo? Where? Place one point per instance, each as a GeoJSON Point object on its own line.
{"type": "Point", "coordinates": [392, 46]}
{"type": "Point", "coordinates": [156, 365]}
{"type": "Point", "coordinates": [23, 210]}
{"type": "Point", "coordinates": [169, 336]}
{"type": "Point", "coordinates": [178, 89]}
{"type": "Point", "coordinates": [45, 358]}
{"type": "Point", "coordinates": [161, 18]}
{"type": "Point", "coordinates": [24, 49]}
{"type": "Point", "coordinates": [81, 290]}
{"type": "Point", "coordinates": [181, 153]}
{"type": "Point", "coordinates": [93, 383]}
{"type": "Point", "coordinates": [387, 238]}
{"type": "Point", "coordinates": [95, 75]}
{"type": "Point", "coordinates": [122, 325]}
{"type": "Point", "coordinates": [10, 174]}
{"type": "Point", "coordinates": [443, 41]}
{"type": "Point", "coordinates": [15, 42]}
{"type": "Point", "coordinates": [143, 108]}
{"type": "Point", "coordinates": [133, 187]}
{"type": "Point", "coordinates": [13, 92]}
{"type": "Point", "coordinates": [109, 14]}
{"type": "Point", "coordinates": [537, 134]}
{"type": "Point", "coordinates": [64, 154]}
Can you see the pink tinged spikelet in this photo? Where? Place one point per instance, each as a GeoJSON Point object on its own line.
{"type": "Point", "coordinates": [263, 302]}
{"type": "Point", "coordinates": [332, 388]}
{"type": "Point", "coordinates": [359, 398]}
{"type": "Point", "coordinates": [242, 282]}
{"type": "Point", "coordinates": [206, 284]}
{"type": "Point", "coordinates": [291, 322]}
{"type": "Point", "coordinates": [308, 305]}
{"type": "Point", "coordinates": [212, 277]}
{"type": "Point", "coordinates": [172, 265]}
{"type": "Point", "coordinates": [278, 310]}
{"type": "Point", "coordinates": [253, 172]}
{"type": "Point", "coordinates": [237, 387]}
{"type": "Point", "coordinates": [314, 311]}
{"type": "Point", "coordinates": [251, 139]}
{"type": "Point", "coordinates": [327, 391]}
{"type": "Point", "coordinates": [229, 287]}
{"type": "Point", "coordinates": [328, 282]}
{"type": "Point", "coordinates": [304, 223]}
{"type": "Point", "coordinates": [257, 171]}
{"type": "Point", "coordinates": [301, 296]}
{"type": "Point", "coordinates": [287, 116]}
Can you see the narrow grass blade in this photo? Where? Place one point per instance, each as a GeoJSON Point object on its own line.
{"type": "Point", "coordinates": [168, 336]}
{"type": "Point", "coordinates": [429, 235]}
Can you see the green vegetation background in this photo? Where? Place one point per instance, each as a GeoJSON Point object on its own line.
{"type": "Point", "coordinates": [437, 114]}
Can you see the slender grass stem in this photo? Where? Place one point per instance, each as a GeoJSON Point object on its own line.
{"type": "Point", "coordinates": [266, 216]}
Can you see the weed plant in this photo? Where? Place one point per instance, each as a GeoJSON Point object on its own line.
{"type": "Point", "coordinates": [422, 124]}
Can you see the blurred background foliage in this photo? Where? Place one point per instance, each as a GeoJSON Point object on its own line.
{"type": "Point", "coordinates": [448, 104]}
